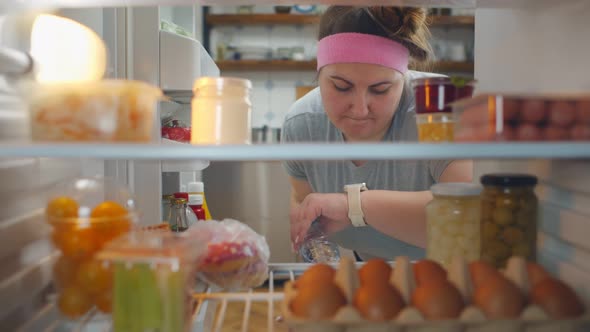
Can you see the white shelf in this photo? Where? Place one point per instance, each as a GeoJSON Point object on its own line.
{"type": "Point", "coordinates": [13, 5]}
{"type": "Point", "coordinates": [398, 151]}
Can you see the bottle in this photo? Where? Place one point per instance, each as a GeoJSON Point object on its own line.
{"type": "Point", "coordinates": [195, 202]}
{"type": "Point", "coordinates": [181, 216]}
{"type": "Point", "coordinates": [316, 248]}
{"type": "Point", "coordinates": [198, 188]}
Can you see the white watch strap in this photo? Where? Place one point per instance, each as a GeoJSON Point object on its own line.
{"type": "Point", "coordinates": [355, 212]}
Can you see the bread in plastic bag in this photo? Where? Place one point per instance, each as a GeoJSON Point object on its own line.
{"type": "Point", "coordinates": [236, 257]}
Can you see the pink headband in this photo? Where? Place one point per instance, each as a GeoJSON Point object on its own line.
{"type": "Point", "coordinates": [352, 47]}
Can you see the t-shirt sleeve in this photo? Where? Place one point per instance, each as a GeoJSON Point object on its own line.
{"type": "Point", "coordinates": [437, 167]}
{"type": "Point", "coordinates": [289, 135]}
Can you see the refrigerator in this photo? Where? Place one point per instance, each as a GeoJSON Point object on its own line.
{"type": "Point", "coordinates": [521, 46]}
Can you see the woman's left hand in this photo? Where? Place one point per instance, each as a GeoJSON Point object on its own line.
{"type": "Point", "coordinates": [331, 210]}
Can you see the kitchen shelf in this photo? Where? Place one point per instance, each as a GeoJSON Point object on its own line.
{"type": "Point", "coordinates": [266, 65]}
{"type": "Point", "coordinates": [257, 19]}
{"type": "Point", "coordinates": [293, 65]}
{"type": "Point", "coordinates": [320, 151]}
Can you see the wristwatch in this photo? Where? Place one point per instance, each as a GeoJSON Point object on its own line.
{"type": "Point", "coordinates": [355, 211]}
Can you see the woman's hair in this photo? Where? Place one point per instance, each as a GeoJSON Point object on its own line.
{"type": "Point", "coordinates": [405, 25]}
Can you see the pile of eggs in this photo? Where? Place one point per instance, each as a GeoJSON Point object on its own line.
{"type": "Point", "coordinates": [531, 119]}
{"type": "Point", "coordinates": [425, 292]}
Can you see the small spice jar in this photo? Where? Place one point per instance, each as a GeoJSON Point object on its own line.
{"type": "Point", "coordinates": [453, 227]}
{"type": "Point", "coordinates": [221, 111]}
{"type": "Point", "coordinates": [509, 217]}
{"type": "Point", "coordinates": [434, 117]}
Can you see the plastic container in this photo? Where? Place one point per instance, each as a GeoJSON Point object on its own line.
{"type": "Point", "coordinates": [110, 110]}
{"type": "Point", "coordinates": [434, 117]}
{"type": "Point", "coordinates": [85, 214]}
{"type": "Point", "coordinates": [316, 248]}
{"type": "Point", "coordinates": [198, 188]}
{"type": "Point", "coordinates": [348, 318]}
{"type": "Point", "coordinates": [508, 217]}
{"type": "Point", "coordinates": [497, 117]}
{"type": "Point", "coordinates": [221, 111]}
{"type": "Point", "coordinates": [453, 222]}
{"type": "Point", "coordinates": [153, 280]}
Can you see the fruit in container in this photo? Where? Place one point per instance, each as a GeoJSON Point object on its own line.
{"type": "Point", "coordinates": [83, 221]}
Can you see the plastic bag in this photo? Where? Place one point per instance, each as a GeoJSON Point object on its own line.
{"type": "Point", "coordinates": [236, 257]}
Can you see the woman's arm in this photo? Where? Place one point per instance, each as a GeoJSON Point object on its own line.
{"type": "Point", "coordinates": [399, 214]}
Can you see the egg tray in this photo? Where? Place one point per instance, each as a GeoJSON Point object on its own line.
{"type": "Point", "coordinates": [409, 319]}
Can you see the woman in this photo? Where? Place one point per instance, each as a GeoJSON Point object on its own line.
{"type": "Point", "coordinates": [364, 95]}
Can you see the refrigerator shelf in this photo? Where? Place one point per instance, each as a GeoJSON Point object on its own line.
{"type": "Point", "coordinates": [210, 313]}
{"type": "Point", "coordinates": [323, 151]}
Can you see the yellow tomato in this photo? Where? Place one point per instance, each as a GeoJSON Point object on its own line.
{"type": "Point", "coordinates": [62, 207]}
{"type": "Point", "coordinates": [76, 244]}
{"type": "Point", "coordinates": [94, 277]}
{"type": "Point", "coordinates": [73, 302]}
{"type": "Point", "coordinates": [64, 272]}
{"type": "Point", "coordinates": [108, 209]}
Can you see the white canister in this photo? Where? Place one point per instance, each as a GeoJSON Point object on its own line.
{"type": "Point", "coordinates": [221, 111]}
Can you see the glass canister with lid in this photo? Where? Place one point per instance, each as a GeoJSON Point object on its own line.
{"type": "Point", "coordinates": [221, 111]}
{"type": "Point", "coordinates": [453, 224]}
{"type": "Point", "coordinates": [434, 117]}
{"type": "Point", "coordinates": [509, 217]}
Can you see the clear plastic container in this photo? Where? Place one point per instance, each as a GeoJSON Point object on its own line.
{"type": "Point", "coordinates": [152, 280]}
{"type": "Point", "coordinates": [497, 117]}
{"type": "Point", "coordinates": [221, 111]}
{"type": "Point", "coordinates": [453, 222]}
{"type": "Point", "coordinates": [85, 214]}
{"type": "Point", "coordinates": [316, 248]}
{"type": "Point", "coordinates": [434, 117]}
{"type": "Point", "coordinates": [109, 110]}
{"type": "Point", "coordinates": [509, 217]}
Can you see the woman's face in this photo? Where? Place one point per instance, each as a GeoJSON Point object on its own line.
{"type": "Point", "coordinates": [360, 99]}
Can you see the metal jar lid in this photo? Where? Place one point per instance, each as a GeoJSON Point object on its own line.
{"type": "Point", "coordinates": [508, 180]}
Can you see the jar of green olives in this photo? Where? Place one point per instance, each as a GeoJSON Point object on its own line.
{"type": "Point", "coordinates": [508, 217]}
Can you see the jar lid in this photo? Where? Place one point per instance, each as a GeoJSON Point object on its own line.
{"type": "Point", "coordinates": [456, 189]}
{"type": "Point", "coordinates": [180, 201]}
{"type": "Point", "coordinates": [508, 180]}
{"type": "Point", "coordinates": [221, 82]}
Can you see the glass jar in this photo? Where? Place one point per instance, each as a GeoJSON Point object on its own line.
{"type": "Point", "coordinates": [221, 111]}
{"type": "Point", "coordinates": [181, 216]}
{"type": "Point", "coordinates": [434, 117]}
{"type": "Point", "coordinates": [452, 222]}
{"type": "Point", "coordinates": [509, 217]}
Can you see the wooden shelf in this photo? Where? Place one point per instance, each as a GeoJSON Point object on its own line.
{"type": "Point", "coordinates": [257, 19]}
{"type": "Point", "coordinates": [266, 65]}
{"type": "Point", "coordinates": [292, 65]}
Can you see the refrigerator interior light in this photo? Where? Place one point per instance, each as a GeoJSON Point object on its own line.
{"type": "Point", "coordinates": [66, 51]}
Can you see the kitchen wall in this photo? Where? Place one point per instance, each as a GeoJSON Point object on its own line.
{"type": "Point", "coordinates": [274, 92]}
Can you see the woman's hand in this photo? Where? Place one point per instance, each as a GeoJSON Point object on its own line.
{"type": "Point", "coordinates": [331, 210]}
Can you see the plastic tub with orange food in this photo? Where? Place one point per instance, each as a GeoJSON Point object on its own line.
{"type": "Point", "coordinates": [109, 110]}
{"type": "Point", "coordinates": [85, 214]}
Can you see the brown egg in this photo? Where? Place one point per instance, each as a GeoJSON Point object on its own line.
{"type": "Point", "coordinates": [581, 132]}
{"type": "Point", "coordinates": [375, 271]}
{"type": "Point", "coordinates": [426, 270]}
{"type": "Point", "coordinates": [533, 111]}
{"type": "Point", "coordinates": [556, 298]}
{"type": "Point", "coordinates": [536, 273]}
{"type": "Point", "coordinates": [318, 301]}
{"type": "Point", "coordinates": [316, 274]}
{"type": "Point", "coordinates": [499, 298]}
{"type": "Point", "coordinates": [480, 271]}
{"type": "Point", "coordinates": [438, 299]}
{"type": "Point", "coordinates": [554, 133]}
{"type": "Point", "coordinates": [562, 113]}
{"type": "Point", "coordinates": [528, 132]}
{"type": "Point", "coordinates": [511, 109]}
{"type": "Point", "coordinates": [378, 302]}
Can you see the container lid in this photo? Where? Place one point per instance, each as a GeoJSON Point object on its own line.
{"type": "Point", "coordinates": [221, 82]}
{"type": "Point", "coordinates": [152, 248]}
{"type": "Point", "coordinates": [508, 180]}
{"type": "Point", "coordinates": [456, 189]}
{"type": "Point", "coordinates": [181, 195]}
{"type": "Point", "coordinates": [195, 187]}
{"type": "Point", "coordinates": [179, 201]}
{"type": "Point", "coordinates": [195, 199]}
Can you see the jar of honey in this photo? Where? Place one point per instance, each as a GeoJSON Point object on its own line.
{"type": "Point", "coordinates": [508, 217]}
{"type": "Point", "coordinates": [434, 117]}
{"type": "Point", "coordinates": [452, 222]}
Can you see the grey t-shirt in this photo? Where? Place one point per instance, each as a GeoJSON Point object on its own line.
{"type": "Point", "coordinates": [307, 122]}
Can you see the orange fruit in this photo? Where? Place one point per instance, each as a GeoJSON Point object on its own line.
{"type": "Point", "coordinates": [62, 207]}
